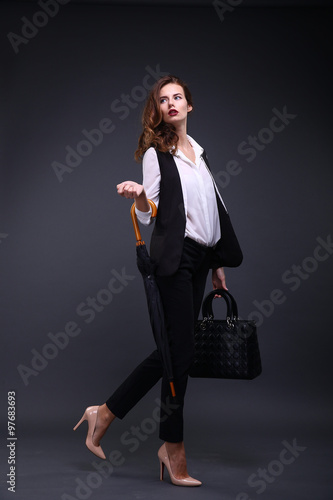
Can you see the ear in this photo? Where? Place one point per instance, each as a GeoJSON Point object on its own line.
{"type": "Point", "coordinates": [189, 108]}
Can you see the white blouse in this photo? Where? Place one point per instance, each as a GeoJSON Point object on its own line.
{"type": "Point", "coordinates": [202, 218]}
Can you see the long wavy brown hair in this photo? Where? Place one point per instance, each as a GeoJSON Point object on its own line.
{"type": "Point", "coordinates": [156, 132]}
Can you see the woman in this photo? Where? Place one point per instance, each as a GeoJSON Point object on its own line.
{"type": "Point", "coordinates": [192, 234]}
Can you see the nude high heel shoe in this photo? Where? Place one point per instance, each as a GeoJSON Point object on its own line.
{"type": "Point", "coordinates": [164, 461]}
{"type": "Point", "coordinates": [90, 415]}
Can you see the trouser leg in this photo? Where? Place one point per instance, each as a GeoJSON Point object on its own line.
{"type": "Point", "coordinates": [136, 385]}
{"type": "Point", "coordinates": [181, 296]}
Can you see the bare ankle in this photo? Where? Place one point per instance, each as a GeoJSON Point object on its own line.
{"type": "Point", "coordinates": [105, 413]}
{"type": "Point", "coordinates": [175, 448]}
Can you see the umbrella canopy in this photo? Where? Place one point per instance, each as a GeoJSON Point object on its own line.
{"type": "Point", "coordinates": [155, 307]}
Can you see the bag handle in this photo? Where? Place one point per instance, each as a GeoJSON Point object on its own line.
{"type": "Point", "coordinates": [224, 293]}
{"type": "Point", "coordinates": [139, 241]}
{"type": "Point", "coordinates": [207, 306]}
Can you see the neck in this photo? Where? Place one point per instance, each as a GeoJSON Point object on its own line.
{"type": "Point", "coordinates": [181, 132]}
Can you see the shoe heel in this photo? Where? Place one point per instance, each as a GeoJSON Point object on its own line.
{"type": "Point", "coordinates": [90, 415]}
{"type": "Point", "coordinates": [80, 422]}
{"type": "Point", "coordinates": [161, 470]}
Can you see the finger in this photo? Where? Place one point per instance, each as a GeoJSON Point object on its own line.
{"type": "Point", "coordinates": [123, 188]}
{"type": "Point", "coordinates": [128, 191]}
{"type": "Point", "coordinates": [223, 282]}
{"type": "Point", "coordinates": [123, 185]}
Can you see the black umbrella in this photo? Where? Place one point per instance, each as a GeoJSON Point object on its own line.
{"type": "Point", "coordinates": [155, 308]}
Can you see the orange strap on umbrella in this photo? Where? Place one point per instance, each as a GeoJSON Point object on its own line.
{"type": "Point", "coordinates": [135, 221]}
{"type": "Point", "coordinates": [173, 392]}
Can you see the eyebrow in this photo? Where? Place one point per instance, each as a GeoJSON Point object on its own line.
{"type": "Point", "coordinates": [163, 96]}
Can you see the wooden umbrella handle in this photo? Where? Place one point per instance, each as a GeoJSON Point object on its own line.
{"type": "Point", "coordinates": [136, 224]}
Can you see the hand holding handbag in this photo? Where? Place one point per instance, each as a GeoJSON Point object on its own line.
{"type": "Point", "coordinates": [225, 348]}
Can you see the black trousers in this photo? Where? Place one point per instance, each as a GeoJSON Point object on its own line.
{"type": "Point", "coordinates": [181, 295]}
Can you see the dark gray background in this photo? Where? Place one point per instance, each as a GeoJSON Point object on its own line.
{"type": "Point", "coordinates": [60, 242]}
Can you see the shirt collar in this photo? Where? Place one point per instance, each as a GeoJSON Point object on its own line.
{"type": "Point", "coordinates": [197, 148]}
{"type": "Point", "coordinates": [195, 145]}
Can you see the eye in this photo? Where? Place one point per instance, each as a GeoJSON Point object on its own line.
{"type": "Point", "coordinates": [162, 100]}
{"type": "Point", "coordinates": [178, 97]}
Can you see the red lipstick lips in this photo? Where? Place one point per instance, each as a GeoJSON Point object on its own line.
{"type": "Point", "coordinates": [173, 112]}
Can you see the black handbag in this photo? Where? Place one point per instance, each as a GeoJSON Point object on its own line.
{"type": "Point", "coordinates": [225, 348]}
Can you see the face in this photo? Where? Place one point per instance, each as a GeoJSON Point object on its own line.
{"type": "Point", "coordinates": [173, 104]}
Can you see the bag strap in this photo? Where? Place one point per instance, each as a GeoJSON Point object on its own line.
{"type": "Point", "coordinates": [207, 306]}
